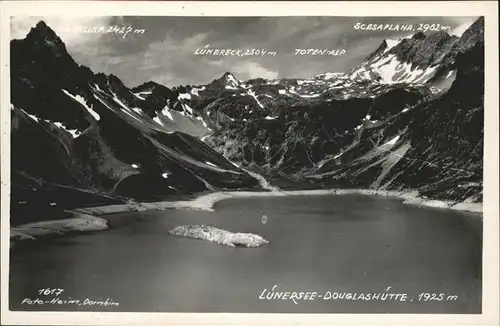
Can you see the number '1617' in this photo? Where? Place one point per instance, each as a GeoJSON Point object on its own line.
{"type": "Point", "coordinates": [55, 292]}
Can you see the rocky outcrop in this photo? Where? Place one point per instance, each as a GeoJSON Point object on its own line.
{"type": "Point", "coordinates": [219, 236]}
{"type": "Point", "coordinates": [423, 51]}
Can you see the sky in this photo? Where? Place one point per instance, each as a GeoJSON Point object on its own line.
{"type": "Point", "coordinates": [165, 52]}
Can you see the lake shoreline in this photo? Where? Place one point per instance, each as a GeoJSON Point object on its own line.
{"type": "Point", "coordinates": [344, 244]}
{"type": "Point", "coordinates": [93, 219]}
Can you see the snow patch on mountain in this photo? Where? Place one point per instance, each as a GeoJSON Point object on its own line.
{"type": "Point", "coordinates": [187, 108]}
{"type": "Point", "coordinates": [450, 73]}
{"type": "Point", "coordinates": [338, 155]}
{"type": "Point", "coordinates": [98, 88]}
{"type": "Point", "coordinates": [330, 75]}
{"type": "Point", "coordinates": [73, 132]}
{"type": "Point", "coordinates": [273, 82]}
{"type": "Point", "coordinates": [138, 96]}
{"type": "Point", "coordinates": [205, 124]}
{"type": "Point", "coordinates": [310, 95]}
{"type": "Point", "coordinates": [231, 79]}
{"type": "Point", "coordinates": [182, 96]}
{"type": "Point", "coordinates": [82, 101]}
{"type": "Point", "coordinates": [125, 109]}
{"type": "Point", "coordinates": [196, 91]}
{"type": "Point", "coordinates": [231, 82]}
{"type": "Point", "coordinates": [166, 112]}
{"type": "Point", "coordinates": [392, 142]}
{"type": "Point", "coordinates": [393, 71]}
{"type": "Point", "coordinates": [391, 44]}
{"type": "Point", "coordinates": [33, 117]}
{"type": "Point", "coordinates": [211, 164]}
{"type": "Point", "coordinates": [252, 94]}
{"type": "Point", "coordinates": [117, 100]}
{"type": "Point", "coordinates": [158, 121]}
{"type": "Point", "coordinates": [137, 110]}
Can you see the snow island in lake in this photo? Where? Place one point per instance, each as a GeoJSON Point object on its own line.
{"type": "Point", "coordinates": [219, 236]}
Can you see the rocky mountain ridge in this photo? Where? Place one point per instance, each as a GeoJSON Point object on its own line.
{"type": "Point", "coordinates": [300, 131]}
{"type": "Point", "coordinates": [80, 138]}
{"type": "Point", "coordinates": [408, 117]}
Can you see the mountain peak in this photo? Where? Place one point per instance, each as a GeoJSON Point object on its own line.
{"type": "Point", "coordinates": [230, 79]}
{"type": "Point", "coordinates": [41, 24]}
{"type": "Point", "coordinates": [42, 31]}
{"type": "Point", "coordinates": [227, 80]}
{"type": "Point", "coordinates": [383, 47]}
{"type": "Point", "coordinates": [150, 86]}
{"type": "Point", "coordinates": [419, 36]}
{"type": "Point", "coordinates": [474, 28]}
{"type": "Point", "coordinates": [147, 85]}
{"type": "Point", "coordinates": [478, 23]}
{"type": "Point", "coordinates": [229, 76]}
{"type": "Point", "coordinates": [441, 34]}
{"type": "Point", "coordinates": [42, 41]}
{"type": "Point", "coordinates": [472, 35]}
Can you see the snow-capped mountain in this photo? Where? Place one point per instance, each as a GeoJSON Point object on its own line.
{"type": "Point", "coordinates": [410, 60]}
{"type": "Point", "coordinates": [419, 58]}
{"type": "Point", "coordinates": [418, 63]}
{"type": "Point", "coordinates": [409, 116]}
{"type": "Point", "coordinates": [435, 146]}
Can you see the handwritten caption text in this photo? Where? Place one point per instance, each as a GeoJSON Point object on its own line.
{"type": "Point", "coordinates": [54, 296]}
{"type": "Point", "coordinates": [122, 31]}
{"type": "Point", "coordinates": [402, 27]}
{"type": "Point", "coordinates": [387, 295]}
{"type": "Point", "coordinates": [207, 50]}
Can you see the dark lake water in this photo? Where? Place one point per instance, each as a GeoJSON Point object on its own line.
{"type": "Point", "coordinates": [348, 243]}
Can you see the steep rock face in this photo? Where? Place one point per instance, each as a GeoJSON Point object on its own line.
{"type": "Point", "coordinates": [75, 129]}
{"type": "Point", "coordinates": [468, 40]}
{"type": "Point", "coordinates": [435, 147]}
{"type": "Point", "coordinates": [410, 60]}
{"type": "Point", "coordinates": [423, 51]}
{"type": "Point", "coordinates": [382, 48]}
{"type": "Point", "coordinates": [299, 138]}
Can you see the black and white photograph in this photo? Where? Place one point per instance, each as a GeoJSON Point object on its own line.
{"type": "Point", "coordinates": [231, 164]}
